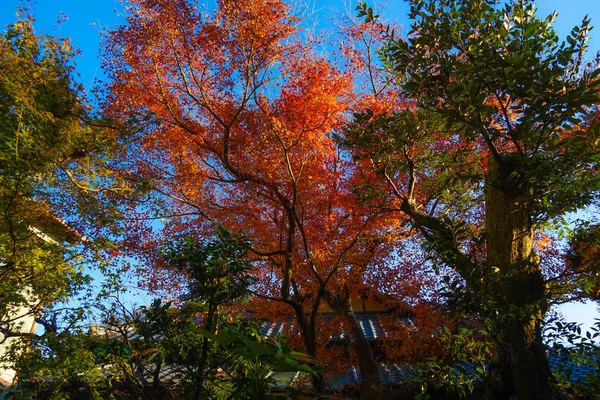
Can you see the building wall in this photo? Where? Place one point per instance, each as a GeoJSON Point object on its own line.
{"type": "Point", "coordinates": [23, 322]}
{"type": "Point", "coordinates": [359, 305]}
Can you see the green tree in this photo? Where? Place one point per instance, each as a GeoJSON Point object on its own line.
{"type": "Point", "coordinates": [40, 125]}
{"type": "Point", "coordinates": [217, 275]}
{"type": "Point", "coordinates": [206, 335]}
{"type": "Point", "coordinates": [57, 365]}
{"type": "Point", "coordinates": [195, 350]}
{"type": "Point", "coordinates": [497, 141]}
{"type": "Point", "coordinates": [48, 142]}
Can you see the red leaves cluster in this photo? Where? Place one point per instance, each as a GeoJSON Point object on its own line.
{"type": "Point", "coordinates": [242, 115]}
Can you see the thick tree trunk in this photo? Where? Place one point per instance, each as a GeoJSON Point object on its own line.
{"type": "Point", "coordinates": [317, 380]}
{"type": "Point", "coordinates": [520, 369]}
{"type": "Point", "coordinates": [310, 343]}
{"type": "Point", "coordinates": [372, 388]}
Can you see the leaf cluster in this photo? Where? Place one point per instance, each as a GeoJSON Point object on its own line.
{"type": "Point", "coordinates": [217, 269]}
{"type": "Point", "coordinates": [44, 126]}
{"type": "Point", "coordinates": [501, 76]}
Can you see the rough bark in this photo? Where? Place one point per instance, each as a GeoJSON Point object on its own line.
{"type": "Point", "coordinates": [310, 343]}
{"type": "Point", "coordinates": [372, 388]}
{"type": "Point", "coordinates": [520, 369]}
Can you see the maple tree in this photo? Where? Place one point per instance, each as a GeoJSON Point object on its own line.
{"type": "Point", "coordinates": [498, 138]}
{"type": "Point", "coordinates": [238, 112]}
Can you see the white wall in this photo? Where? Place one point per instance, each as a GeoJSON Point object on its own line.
{"type": "Point", "coordinates": [22, 321]}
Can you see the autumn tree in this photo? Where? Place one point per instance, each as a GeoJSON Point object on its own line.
{"type": "Point", "coordinates": [238, 111]}
{"type": "Point", "coordinates": [498, 141]}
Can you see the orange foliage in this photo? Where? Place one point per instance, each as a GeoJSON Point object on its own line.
{"type": "Point", "coordinates": [240, 115]}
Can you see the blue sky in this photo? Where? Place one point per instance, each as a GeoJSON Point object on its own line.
{"type": "Point", "coordinates": [85, 22]}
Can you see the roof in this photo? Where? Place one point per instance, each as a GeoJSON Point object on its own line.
{"type": "Point", "coordinates": [49, 227]}
{"type": "Point", "coordinates": [391, 373]}
{"type": "Point", "coordinates": [369, 322]}
{"type": "Point", "coordinates": [572, 370]}
{"type": "Point", "coordinates": [396, 374]}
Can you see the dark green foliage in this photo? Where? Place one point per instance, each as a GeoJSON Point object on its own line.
{"type": "Point", "coordinates": [57, 366]}
{"type": "Point", "coordinates": [576, 349]}
{"type": "Point", "coordinates": [199, 350]}
{"type": "Point", "coordinates": [499, 74]}
{"type": "Point", "coordinates": [499, 134]}
{"type": "Point", "coordinates": [231, 362]}
{"type": "Point", "coordinates": [217, 269]}
{"type": "Point", "coordinates": [201, 340]}
{"type": "Point", "coordinates": [584, 261]}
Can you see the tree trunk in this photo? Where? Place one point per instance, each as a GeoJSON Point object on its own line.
{"type": "Point", "coordinates": [310, 343]}
{"type": "Point", "coordinates": [520, 369]}
{"type": "Point", "coordinates": [372, 388]}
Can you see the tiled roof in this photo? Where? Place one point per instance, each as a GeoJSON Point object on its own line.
{"type": "Point", "coordinates": [168, 374]}
{"type": "Point", "coordinates": [571, 370]}
{"type": "Point", "coordinates": [369, 322]}
{"type": "Point", "coordinates": [399, 374]}
{"type": "Point", "coordinates": [274, 329]}
{"type": "Point", "coordinates": [391, 373]}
